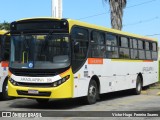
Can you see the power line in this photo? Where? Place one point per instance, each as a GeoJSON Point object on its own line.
{"type": "Point", "coordinates": [153, 34]}
{"type": "Point", "coordinates": [141, 3]}
{"type": "Point", "coordinates": [95, 15]}
{"type": "Point", "coordinates": [142, 21]}
{"type": "Point", "coordinates": [92, 16]}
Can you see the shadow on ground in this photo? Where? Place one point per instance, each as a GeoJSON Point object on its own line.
{"type": "Point", "coordinates": [64, 104]}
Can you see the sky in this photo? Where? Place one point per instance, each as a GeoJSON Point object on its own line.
{"type": "Point", "coordinates": [140, 16]}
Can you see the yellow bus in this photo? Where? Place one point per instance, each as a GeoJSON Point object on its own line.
{"type": "Point", "coordinates": [65, 58]}
{"type": "Point", "coordinates": [4, 60]}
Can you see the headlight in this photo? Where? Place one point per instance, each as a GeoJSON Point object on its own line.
{"type": "Point", "coordinates": [13, 81]}
{"type": "Point", "coordinates": [59, 82]}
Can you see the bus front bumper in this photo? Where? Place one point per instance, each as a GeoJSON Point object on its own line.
{"type": "Point", "coordinates": [61, 92]}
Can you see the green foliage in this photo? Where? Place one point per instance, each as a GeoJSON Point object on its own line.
{"type": "Point", "coordinates": [5, 26]}
{"type": "Point", "coordinates": [159, 72]}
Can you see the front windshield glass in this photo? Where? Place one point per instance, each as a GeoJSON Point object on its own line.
{"type": "Point", "coordinates": [40, 51]}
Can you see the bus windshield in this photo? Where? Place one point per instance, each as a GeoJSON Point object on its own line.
{"type": "Point", "coordinates": [43, 51]}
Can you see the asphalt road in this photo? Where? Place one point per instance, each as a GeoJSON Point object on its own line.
{"type": "Point", "coordinates": [119, 101]}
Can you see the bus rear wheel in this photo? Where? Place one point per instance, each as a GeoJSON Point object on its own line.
{"type": "Point", "coordinates": [92, 95]}
{"type": "Point", "coordinates": [138, 88]}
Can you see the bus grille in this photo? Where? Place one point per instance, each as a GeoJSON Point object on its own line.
{"type": "Point", "coordinates": [35, 74]}
{"type": "Point", "coordinates": [20, 92]}
{"type": "Point", "coordinates": [39, 85]}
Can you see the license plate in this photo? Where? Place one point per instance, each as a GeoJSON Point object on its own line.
{"type": "Point", "coordinates": [33, 91]}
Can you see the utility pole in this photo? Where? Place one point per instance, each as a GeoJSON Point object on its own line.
{"type": "Point", "coordinates": [57, 8]}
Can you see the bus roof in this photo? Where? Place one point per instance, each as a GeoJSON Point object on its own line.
{"type": "Point", "coordinates": [84, 24]}
{"type": "Point", "coordinates": [76, 22]}
{"type": "Point", "coordinates": [40, 18]}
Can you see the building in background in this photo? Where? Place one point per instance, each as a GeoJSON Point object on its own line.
{"type": "Point", "coordinates": [57, 8]}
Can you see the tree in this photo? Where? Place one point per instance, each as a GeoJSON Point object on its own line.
{"type": "Point", "coordinates": [5, 26]}
{"type": "Point", "coordinates": [116, 12]}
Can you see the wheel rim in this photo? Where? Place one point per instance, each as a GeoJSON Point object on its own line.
{"type": "Point", "coordinates": [92, 91]}
{"type": "Point", "coordinates": [139, 86]}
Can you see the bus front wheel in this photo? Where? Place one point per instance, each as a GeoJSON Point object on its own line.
{"type": "Point", "coordinates": [92, 92]}
{"type": "Point", "coordinates": [5, 91]}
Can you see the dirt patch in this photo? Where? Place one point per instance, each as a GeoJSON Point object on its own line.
{"type": "Point", "coordinates": [152, 90]}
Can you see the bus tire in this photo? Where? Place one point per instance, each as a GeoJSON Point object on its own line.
{"type": "Point", "coordinates": [138, 88]}
{"type": "Point", "coordinates": [92, 94]}
{"type": "Point", "coordinates": [42, 101]}
{"type": "Point", "coordinates": [5, 90]}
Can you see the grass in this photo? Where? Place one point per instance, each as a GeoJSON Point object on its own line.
{"type": "Point", "coordinates": [159, 72]}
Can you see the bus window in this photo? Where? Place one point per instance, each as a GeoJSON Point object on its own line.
{"type": "Point", "coordinates": [154, 51]}
{"type": "Point", "coordinates": [111, 49]}
{"type": "Point", "coordinates": [98, 47]}
{"type": "Point", "coordinates": [134, 54]}
{"type": "Point", "coordinates": [154, 46]}
{"type": "Point", "coordinates": [133, 50]}
{"type": "Point", "coordinates": [130, 43]}
{"type": "Point", "coordinates": [140, 44]}
{"type": "Point", "coordinates": [141, 54]}
{"type": "Point", "coordinates": [147, 45]}
{"type": "Point", "coordinates": [148, 52]}
{"type": "Point", "coordinates": [111, 40]}
{"type": "Point", "coordinates": [148, 55]}
{"type": "Point", "coordinates": [141, 50]}
{"type": "Point", "coordinates": [124, 48]}
{"type": "Point", "coordinates": [135, 45]}
{"type": "Point", "coordinates": [154, 55]}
